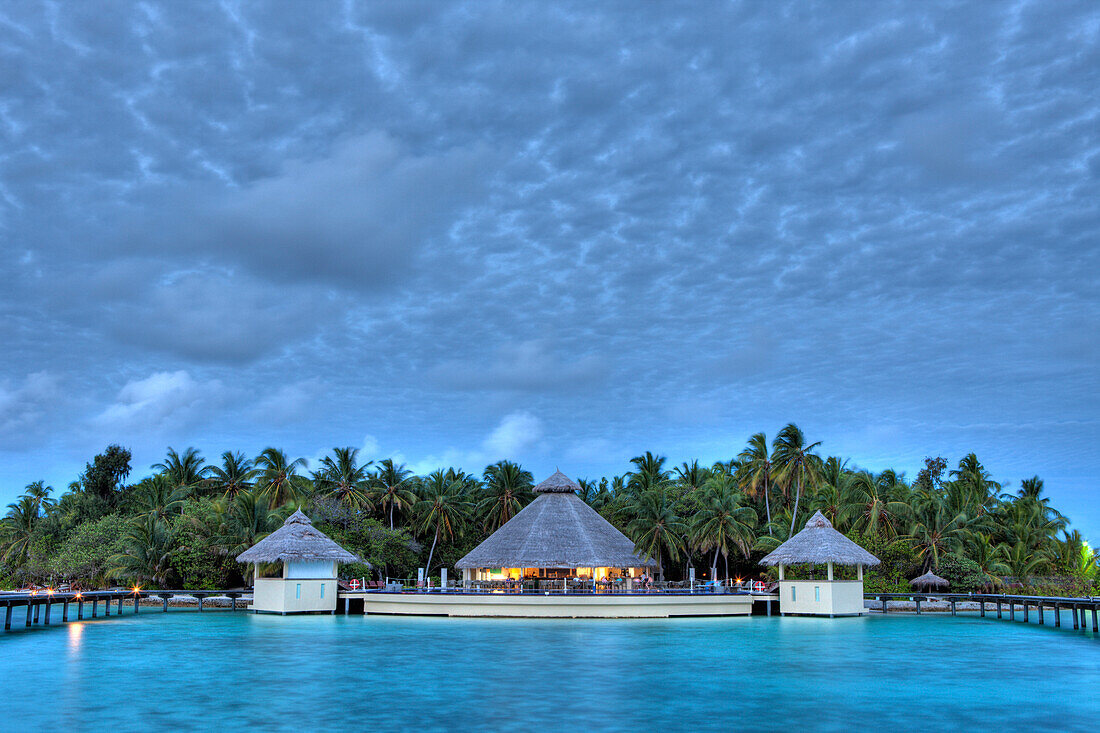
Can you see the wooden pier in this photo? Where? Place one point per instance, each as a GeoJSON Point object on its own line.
{"type": "Point", "coordinates": [41, 607]}
{"type": "Point", "coordinates": [1080, 608]}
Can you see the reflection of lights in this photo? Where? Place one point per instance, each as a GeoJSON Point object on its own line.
{"type": "Point", "coordinates": [75, 631]}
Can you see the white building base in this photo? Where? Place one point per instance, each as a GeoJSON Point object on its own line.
{"type": "Point", "coordinates": [821, 597]}
{"type": "Point", "coordinates": [294, 595]}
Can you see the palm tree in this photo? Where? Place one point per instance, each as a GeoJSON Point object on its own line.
{"type": "Point", "coordinates": [507, 490]}
{"type": "Point", "coordinates": [795, 462]}
{"type": "Point", "coordinates": [246, 519]}
{"type": "Point", "coordinates": [756, 467]}
{"type": "Point", "coordinates": [17, 529]}
{"type": "Point", "coordinates": [279, 481]}
{"type": "Point", "coordinates": [691, 476]}
{"type": "Point", "coordinates": [391, 487]}
{"type": "Point", "coordinates": [987, 555]}
{"type": "Point", "coordinates": [184, 472]}
{"type": "Point", "coordinates": [656, 528]}
{"type": "Point", "coordinates": [936, 530]}
{"type": "Point", "coordinates": [158, 496]}
{"type": "Point", "coordinates": [721, 522]}
{"type": "Point", "coordinates": [870, 507]}
{"type": "Point", "coordinates": [40, 493]}
{"type": "Point", "coordinates": [342, 476]}
{"type": "Point", "coordinates": [1022, 562]}
{"type": "Point", "coordinates": [650, 473]}
{"type": "Point", "coordinates": [150, 546]}
{"type": "Point", "coordinates": [234, 475]}
{"type": "Point", "coordinates": [442, 508]}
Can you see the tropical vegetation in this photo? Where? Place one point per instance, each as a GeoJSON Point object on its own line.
{"type": "Point", "coordinates": [184, 523]}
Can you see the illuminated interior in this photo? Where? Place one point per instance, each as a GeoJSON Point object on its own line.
{"type": "Point", "coordinates": [599, 574]}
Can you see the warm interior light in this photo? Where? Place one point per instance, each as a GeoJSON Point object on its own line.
{"type": "Point", "coordinates": [49, 591]}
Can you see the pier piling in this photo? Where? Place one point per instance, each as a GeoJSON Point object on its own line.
{"type": "Point", "coordinates": [28, 614]}
{"type": "Point", "coordinates": [7, 619]}
{"type": "Point", "coordinates": [95, 606]}
{"type": "Point", "coordinates": [65, 612]}
{"type": "Point", "coordinates": [1057, 615]}
{"type": "Point", "coordinates": [80, 609]}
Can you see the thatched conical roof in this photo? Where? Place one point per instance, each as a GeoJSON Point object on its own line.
{"type": "Point", "coordinates": [819, 543]}
{"type": "Point", "coordinates": [558, 483]}
{"type": "Point", "coordinates": [929, 580]}
{"type": "Point", "coordinates": [297, 539]}
{"type": "Point", "coordinates": [556, 530]}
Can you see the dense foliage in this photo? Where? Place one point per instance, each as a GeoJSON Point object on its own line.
{"type": "Point", "coordinates": [184, 524]}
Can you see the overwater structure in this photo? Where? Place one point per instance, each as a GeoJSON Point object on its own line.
{"type": "Point", "coordinates": [820, 544]}
{"type": "Point", "coordinates": [556, 536]}
{"type": "Point", "coordinates": [306, 561]}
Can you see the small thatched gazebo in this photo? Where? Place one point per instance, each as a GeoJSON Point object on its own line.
{"type": "Point", "coordinates": [309, 560]}
{"type": "Point", "coordinates": [928, 581]}
{"type": "Point", "coordinates": [557, 535]}
{"type": "Point", "coordinates": [820, 544]}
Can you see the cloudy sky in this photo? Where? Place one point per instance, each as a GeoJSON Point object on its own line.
{"type": "Point", "coordinates": [559, 234]}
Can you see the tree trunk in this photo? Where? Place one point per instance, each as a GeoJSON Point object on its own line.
{"type": "Point", "coordinates": [797, 499]}
{"type": "Point", "coordinates": [428, 570]}
{"type": "Point", "coordinates": [767, 504]}
{"type": "Point", "coordinates": [391, 514]}
{"type": "Point", "coordinates": [714, 565]}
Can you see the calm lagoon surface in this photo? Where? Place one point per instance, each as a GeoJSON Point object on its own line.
{"type": "Point", "coordinates": [189, 671]}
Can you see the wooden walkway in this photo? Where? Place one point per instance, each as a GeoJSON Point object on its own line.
{"type": "Point", "coordinates": [40, 605]}
{"type": "Point", "coordinates": [1079, 607]}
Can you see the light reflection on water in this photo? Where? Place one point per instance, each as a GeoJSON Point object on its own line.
{"type": "Point", "coordinates": [183, 670]}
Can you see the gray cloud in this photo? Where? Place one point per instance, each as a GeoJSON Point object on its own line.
{"type": "Point", "coordinates": [667, 227]}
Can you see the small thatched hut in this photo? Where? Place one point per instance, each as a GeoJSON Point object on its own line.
{"type": "Point", "coordinates": [309, 560]}
{"type": "Point", "coordinates": [928, 581]}
{"type": "Point", "coordinates": [557, 535]}
{"type": "Point", "coordinates": [820, 544]}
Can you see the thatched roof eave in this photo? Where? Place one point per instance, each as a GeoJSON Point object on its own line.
{"type": "Point", "coordinates": [297, 540]}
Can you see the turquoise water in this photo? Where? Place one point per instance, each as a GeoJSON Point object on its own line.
{"type": "Point", "coordinates": [189, 671]}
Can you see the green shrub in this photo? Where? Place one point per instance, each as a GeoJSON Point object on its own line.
{"type": "Point", "coordinates": [964, 575]}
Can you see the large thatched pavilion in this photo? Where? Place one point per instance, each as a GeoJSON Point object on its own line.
{"type": "Point", "coordinates": [555, 536]}
{"type": "Point", "coordinates": [819, 544]}
{"type": "Point", "coordinates": [308, 561]}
